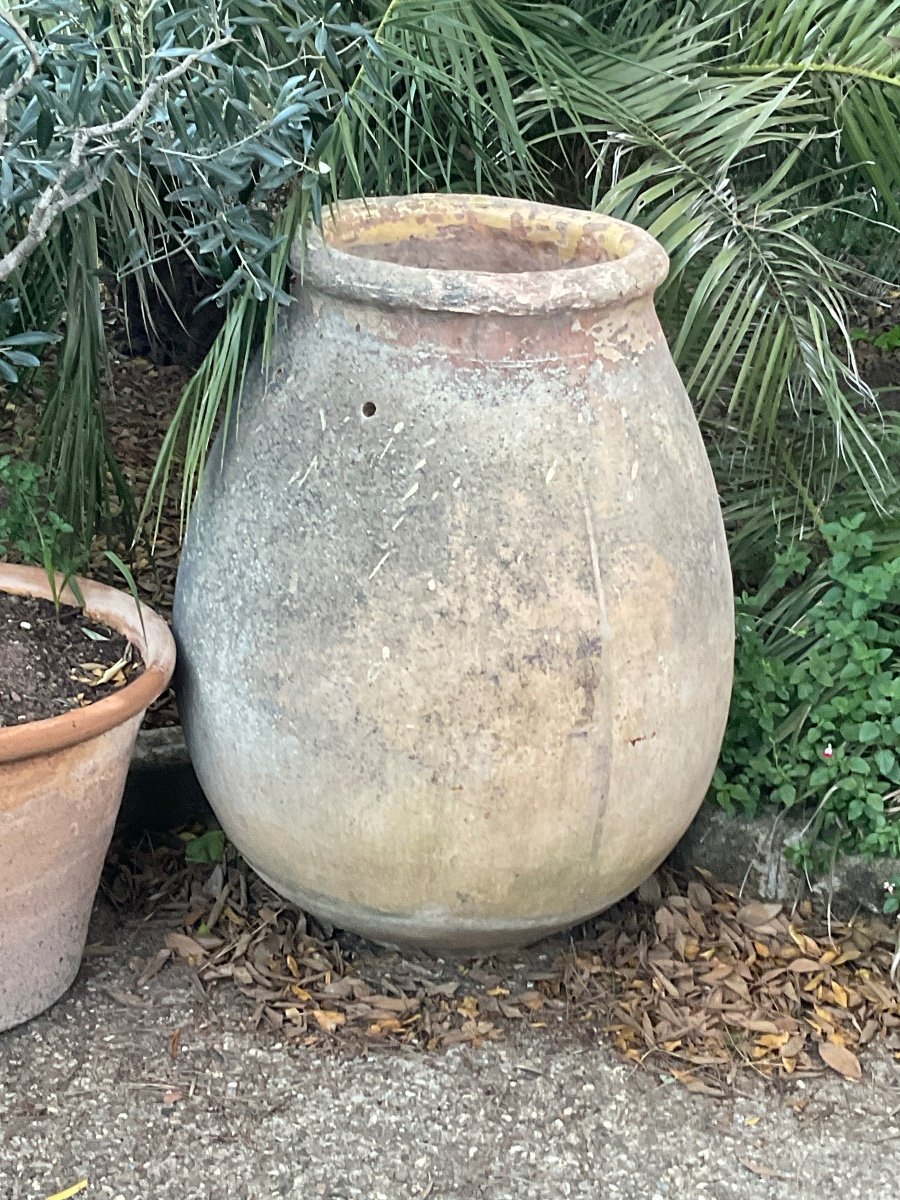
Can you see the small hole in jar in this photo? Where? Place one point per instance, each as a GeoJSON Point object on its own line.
{"type": "Point", "coordinates": [369, 409]}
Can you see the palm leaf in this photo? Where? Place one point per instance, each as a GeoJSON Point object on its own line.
{"type": "Point", "coordinates": [743, 133]}
{"type": "Point", "coordinates": [72, 435]}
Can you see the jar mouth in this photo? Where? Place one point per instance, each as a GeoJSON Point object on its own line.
{"type": "Point", "coordinates": [478, 254]}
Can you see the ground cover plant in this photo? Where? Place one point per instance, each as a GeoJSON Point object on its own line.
{"type": "Point", "coordinates": [815, 719]}
{"type": "Point", "coordinates": [142, 145]}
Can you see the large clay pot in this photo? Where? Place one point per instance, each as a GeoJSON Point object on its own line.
{"type": "Point", "coordinates": [61, 782]}
{"type": "Point", "coordinates": [455, 610]}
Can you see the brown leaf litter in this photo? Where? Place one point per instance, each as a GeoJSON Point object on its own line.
{"type": "Point", "coordinates": [685, 977]}
{"type": "Point", "coordinates": [712, 985]}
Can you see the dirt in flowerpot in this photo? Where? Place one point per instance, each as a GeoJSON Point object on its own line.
{"type": "Point", "coordinates": [50, 665]}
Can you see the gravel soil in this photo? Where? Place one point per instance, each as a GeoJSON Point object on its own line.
{"type": "Point", "coordinates": [160, 1095]}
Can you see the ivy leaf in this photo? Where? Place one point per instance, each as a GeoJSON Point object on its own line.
{"type": "Point", "coordinates": [886, 762]}
{"type": "Point", "coordinates": [207, 848]}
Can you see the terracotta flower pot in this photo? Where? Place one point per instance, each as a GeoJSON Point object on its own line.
{"type": "Point", "coordinates": [455, 609]}
{"type": "Point", "coordinates": [61, 782]}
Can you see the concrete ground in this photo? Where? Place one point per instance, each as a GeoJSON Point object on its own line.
{"type": "Point", "coordinates": [92, 1091]}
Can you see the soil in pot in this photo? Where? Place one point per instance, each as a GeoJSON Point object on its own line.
{"type": "Point", "coordinates": [50, 664]}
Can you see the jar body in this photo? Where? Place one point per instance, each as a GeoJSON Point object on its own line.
{"type": "Point", "coordinates": [455, 617]}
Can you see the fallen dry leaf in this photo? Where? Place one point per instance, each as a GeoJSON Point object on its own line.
{"type": "Point", "coordinates": [650, 891]}
{"type": "Point", "coordinates": [763, 1171]}
{"type": "Point", "coordinates": [328, 1019]}
{"type": "Point", "coordinates": [186, 947]}
{"type": "Point", "coordinates": [757, 913]}
{"type": "Point", "coordinates": [154, 966]}
{"type": "Point", "coordinates": [842, 1060]}
{"type": "Point", "coordinates": [695, 983]}
{"type": "Point", "coordinates": [805, 965]}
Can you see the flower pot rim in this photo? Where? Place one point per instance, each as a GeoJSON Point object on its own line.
{"type": "Point", "coordinates": [118, 610]}
{"type": "Point", "coordinates": [637, 266]}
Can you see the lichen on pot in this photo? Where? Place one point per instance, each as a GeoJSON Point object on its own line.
{"type": "Point", "coordinates": [61, 782]}
{"type": "Point", "coordinates": [455, 610]}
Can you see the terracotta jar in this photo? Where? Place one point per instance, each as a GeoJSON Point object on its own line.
{"type": "Point", "coordinates": [455, 609]}
{"type": "Point", "coordinates": [61, 782]}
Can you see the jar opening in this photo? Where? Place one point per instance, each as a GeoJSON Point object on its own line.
{"type": "Point", "coordinates": [479, 254]}
{"type": "Point", "coordinates": [510, 247]}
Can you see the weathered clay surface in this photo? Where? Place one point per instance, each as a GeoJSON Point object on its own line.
{"type": "Point", "coordinates": [455, 610]}
{"type": "Point", "coordinates": [61, 781]}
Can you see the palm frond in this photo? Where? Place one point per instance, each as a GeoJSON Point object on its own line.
{"type": "Point", "coordinates": [848, 55]}
{"type": "Point", "coordinates": [719, 166]}
{"type": "Point", "coordinates": [747, 135]}
{"type": "Point", "coordinates": [72, 435]}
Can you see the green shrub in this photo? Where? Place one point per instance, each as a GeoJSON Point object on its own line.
{"type": "Point", "coordinates": [140, 141]}
{"type": "Point", "coordinates": [31, 531]}
{"type": "Point", "coordinates": [815, 715]}
{"type": "Point", "coordinates": [29, 527]}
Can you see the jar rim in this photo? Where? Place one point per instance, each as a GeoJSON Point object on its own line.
{"type": "Point", "coordinates": [357, 255]}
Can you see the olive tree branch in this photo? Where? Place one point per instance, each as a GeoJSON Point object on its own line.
{"type": "Point", "coordinates": [54, 200]}
{"type": "Point", "coordinates": [21, 81]}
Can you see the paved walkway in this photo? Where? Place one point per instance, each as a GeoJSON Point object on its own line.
{"type": "Point", "coordinates": [91, 1091]}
